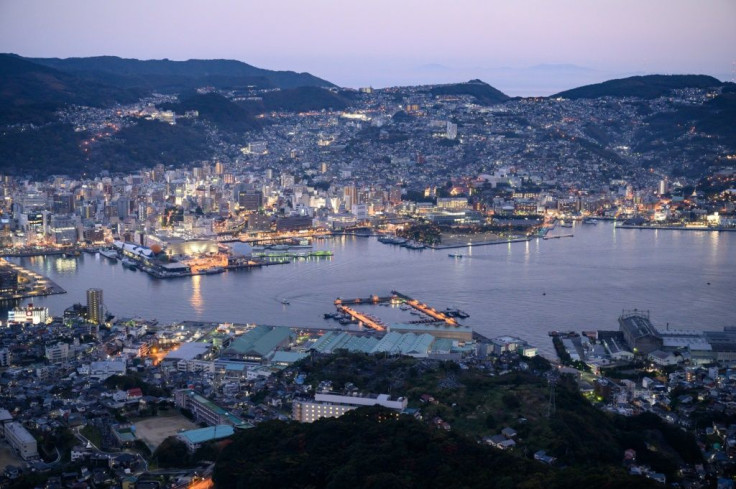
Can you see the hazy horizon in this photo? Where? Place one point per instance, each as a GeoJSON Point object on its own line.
{"type": "Point", "coordinates": [529, 47]}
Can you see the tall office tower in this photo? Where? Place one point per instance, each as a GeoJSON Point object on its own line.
{"type": "Point", "coordinates": [95, 308]}
{"type": "Point", "coordinates": [350, 196]}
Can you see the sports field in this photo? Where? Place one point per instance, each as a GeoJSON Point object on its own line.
{"type": "Point", "coordinates": [156, 429]}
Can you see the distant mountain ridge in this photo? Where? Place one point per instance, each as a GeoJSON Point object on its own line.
{"type": "Point", "coordinates": [180, 74]}
{"type": "Point", "coordinates": [483, 92]}
{"type": "Point", "coordinates": [647, 86]}
{"type": "Point", "coordinates": [30, 92]}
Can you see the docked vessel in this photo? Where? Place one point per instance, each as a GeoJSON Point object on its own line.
{"type": "Point", "coordinates": [413, 245]}
{"type": "Point", "coordinates": [111, 255]}
{"type": "Point", "coordinates": [457, 313]}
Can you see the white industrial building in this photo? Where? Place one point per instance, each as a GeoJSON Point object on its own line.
{"type": "Point", "coordinates": [21, 440]}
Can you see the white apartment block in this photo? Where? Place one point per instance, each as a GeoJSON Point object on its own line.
{"type": "Point", "coordinates": [330, 405]}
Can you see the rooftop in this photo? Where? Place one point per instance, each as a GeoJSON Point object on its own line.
{"type": "Point", "coordinates": [210, 433]}
{"type": "Point", "coordinates": [260, 341]}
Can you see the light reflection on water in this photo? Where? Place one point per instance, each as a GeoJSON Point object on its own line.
{"type": "Point", "coordinates": [522, 289]}
{"type": "Point", "coordinates": [196, 298]}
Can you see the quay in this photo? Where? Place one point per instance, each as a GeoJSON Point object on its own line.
{"type": "Point", "coordinates": [41, 252]}
{"type": "Point", "coordinates": [374, 299]}
{"type": "Point", "coordinates": [424, 308]}
{"type": "Point", "coordinates": [362, 318]}
{"type": "Point", "coordinates": [290, 254]}
{"type": "Point", "coordinates": [678, 228]}
{"type": "Point", "coordinates": [30, 284]}
{"type": "Point", "coordinates": [560, 236]}
{"type": "Point", "coordinates": [396, 297]}
{"type": "Point", "coordinates": [481, 243]}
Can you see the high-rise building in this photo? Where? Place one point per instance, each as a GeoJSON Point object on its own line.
{"type": "Point", "coordinates": [95, 307]}
{"type": "Point", "coordinates": [8, 280]}
{"type": "Point", "coordinates": [451, 132]}
{"type": "Point", "coordinates": [63, 203]}
{"type": "Point", "coordinates": [350, 196]}
{"type": "Point", "coordinates": [249, 198]}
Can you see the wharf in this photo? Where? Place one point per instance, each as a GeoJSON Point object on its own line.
{"type": "Point", "coordinates": [364, 319]}
{"type": "Point", "coordinates": [168, 275]}
{"type": "Point", "coordinates": [35, 285]}
{"type": "Point", "coordinates": [480, 243]}
{"type": "Point", "coordinates": [424, 308]}
{"type": "Point", "coordinates": [677, 228]}
{"type": "Point", "coordinates": [41, 252]}
{"type": "Point", "coordinates": [396, 296]}
{"type": "Point", "coordinates": [374, 299]}
{"type": "Point", "coordinates": [560, 236]}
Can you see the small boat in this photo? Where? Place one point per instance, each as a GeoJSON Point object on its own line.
{"type": "Point", "coordinates": [285, 302]}
{"type": "Point", "coordinates": [456, 313]}
{"type": "Point", "coordinates": [453, 255]}
{"type": "Point", "coordinates": [131, 264]}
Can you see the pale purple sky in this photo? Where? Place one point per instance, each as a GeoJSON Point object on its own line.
{"type": "Point", "coordinates": [394, 42]}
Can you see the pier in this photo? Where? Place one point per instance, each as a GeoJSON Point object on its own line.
{"type": "Point", "coordinates": [396, 297]}
{"type": "Point", "coordinates": [374, 299]}
{"type": "Point", "coordinates": [362, 318]}
{"type": "Point", "coordinates": [560, 236]}
{"type": "Point", "coordinates": [30, 284]}
{"type": "Point", "coordinates": [424, 308]}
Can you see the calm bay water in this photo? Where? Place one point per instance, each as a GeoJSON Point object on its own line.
{"type": "Point", "coordinates": [522, 289]}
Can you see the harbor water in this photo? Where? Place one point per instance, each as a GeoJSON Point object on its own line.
{"type": "Point", "coordinates": [686, 279]}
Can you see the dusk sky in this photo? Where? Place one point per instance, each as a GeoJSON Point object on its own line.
{"type": "Point", "coordinates": [523, 47]}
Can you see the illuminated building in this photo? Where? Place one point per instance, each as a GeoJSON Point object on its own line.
{"type": "Point", "coordinates": [249, 198]}
{"type": "Point", "coordinates": [350, 196]}
{"type": "Point", "coordinates": [8, 280]}
{"type": "Point", "coordinates": [58, 352]}
{"type": "Point", "coordinates": [330, 405]}
{"type": "Point", "coordinates": [452, 202]}
{"type": "Point", "coordinates": [95, 307]}
{"type": "Point", "coordinates": [63, 230]}
{"type": "Point", "coordinates": [28, 314]}
{"type": "Point", "coordinates": [259, 222]}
